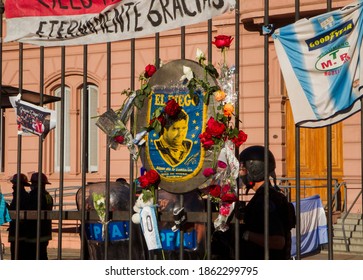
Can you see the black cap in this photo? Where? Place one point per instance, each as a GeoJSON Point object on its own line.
{"type": "Point", "coordinates": [253, 159]}
{"type": "Point", "coordinates": [23, 179]}
{"type": "Point", "coordinates": [35, 178]}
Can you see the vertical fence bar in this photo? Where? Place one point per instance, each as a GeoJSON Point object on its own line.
{"type": "Point", "coordinates": [329, 178]}
{"type": "Point", "coordinates": [329, 190]}
{"type": "Point", "coordinates": [40, 158]}
{"type": "Point", "coordinates": [157, 64]}
{"type": "Point", "coordinates": [132, 121]}
{"type": "Point", "coordinates": [157, 50]}
{"type": "Point", "coordinates": [21, 57]}
{"type": "Point", "coordinates": [108, 153]}
{"type": "Point", "coordinates": [182, 42]}
{"type": "Point", "coordinates": [61, 149]}
{"type": "Point", "coordinates": [209, 205]}
{"type": "Point", "coordinates": [236, 84]}
{"type": "Point", "coordinates": [298, 193]}
{"type": "Point", "coordinates": [297, 167]}
{"type": "Point", "coordinates": [17, 207]}
{"type": "Point", "coordinates": [266, 131]}
{"type": "Point", "coordinates": [84, 150]}
{"type": "Point", "coordinates": [181, 196]}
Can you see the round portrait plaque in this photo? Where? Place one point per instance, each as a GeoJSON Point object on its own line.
{"type": "Point", "coordinates": [176, 152]}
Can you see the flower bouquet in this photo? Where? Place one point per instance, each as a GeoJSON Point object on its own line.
{"type": "Point", "coordinates": [111, 124]}
{"type": "Point", "coordinates": [99, 203]}
{"type": "Point", "coordinates": [220, 136]}
{"type": "Point", "coordinates": [145, 208]}
{"type": "Point", "coordinates": [148, 183]}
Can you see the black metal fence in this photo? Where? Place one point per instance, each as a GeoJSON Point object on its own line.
{"type": "Point", "coordinates": [59, 215]}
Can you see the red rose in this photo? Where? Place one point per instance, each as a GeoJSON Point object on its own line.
{"type": "Point", "coordinates": [215, 128]}
{"type": "Point", "coordinates": [222, 41]}
{"type": "Point", "coordinates": [161, 119]}
{"type": "Point", "coordinates": [226, 188]}
{"type": "Point", "coordinates": [240, 139]}
{"type": "Point", "coordinates": [153, 177]}
{"type": "Point", "coordinates": [143, 181]}
{"type": "Point", "coordinates": [206, 140]}
{"type": "Point", "coordinates": [149, 70]}
{"type": "Point", "coordinates": [225, 209]}
{"type": "Point", "coordinates": [119, 139]}
{"type": "Point", "coordinates": [221, 164]}
{"type": "Point", "coordinates": [229, 197]}
{"type": "Point", "coordinates": [215, 190]}
{"type": "Point", "coordinates": [208, 172]}
{"type": "Point", "coordinates": [172, 108]}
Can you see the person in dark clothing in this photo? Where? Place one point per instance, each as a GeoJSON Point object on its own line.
{"type": "Point", "coordinates": [281, 220]}
{"type": "Point", "coordinates": [46, 203]}
{"type": "Point", "coordinates": [23, 205]}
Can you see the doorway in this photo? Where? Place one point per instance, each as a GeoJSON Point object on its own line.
{"type": "Point", "coordinates": [313, 157]}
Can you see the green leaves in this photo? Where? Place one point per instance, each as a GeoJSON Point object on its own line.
{"type": "Point", "coordinates": [211, 70]}
{"type": "Point", "coordinates": [141, 94]}
{"type": "Point", "coordinates": [233, 132]}
{"type": "Point", "coordinates": [155, 123]}
{"type": "Point", "coordinates": [156, 126]}
{"type": "Point", "coordinates": [139, 99]}
{"type": "Point", "coordinates": [195, 84]}
{"type": "Point", "coordinates": [147, 194]}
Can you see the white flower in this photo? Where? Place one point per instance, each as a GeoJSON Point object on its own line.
{"type": "Point", "coordinates": [200, 55]}
{"type": "Point", "coordinates": [188, 73]}
{"type": "Point", "coordinates": [101, 201]}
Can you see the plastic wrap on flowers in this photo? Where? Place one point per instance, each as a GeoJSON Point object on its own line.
{"type": "Point", "coordinates": [127, 108]}
{"type": "Point", "coordinates": [111, 124]}
{"type": "Point", "coordinates": [221, 184]}
{"type": "Point", "coordinates": [118, 231]}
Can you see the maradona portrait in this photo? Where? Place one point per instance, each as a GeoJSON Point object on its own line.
{"type": "Point", "coordinates": [172, 144]}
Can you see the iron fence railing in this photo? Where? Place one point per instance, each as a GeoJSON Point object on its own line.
{"type": "Point", "coordinates": [346, 214]}
{"type": "Point", "coordinates": [62, 193]}
{"type": "Point", "coordinates": [339, 189]}
{"type": "Point", "coordinates": [74, 217]}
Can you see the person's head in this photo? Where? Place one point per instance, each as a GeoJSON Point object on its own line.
{"type": "Point", "coordinates": [121, 180]}
{"type": "Point", "coordinates": [252, 166]}
{"type": "Point", "coordinates": [175, 129]}
{"type": "Point", "coordinates": [23, 180]}
{"type": "Point", "coordinates": [35, 179]}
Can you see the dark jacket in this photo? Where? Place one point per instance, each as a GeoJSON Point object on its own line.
{"type": "Point", "coordinates": [45, 225]}
{"type": "Point", "coordinates": [24, 205]}
{"type": "Point", "coordinates": [278, 224]}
